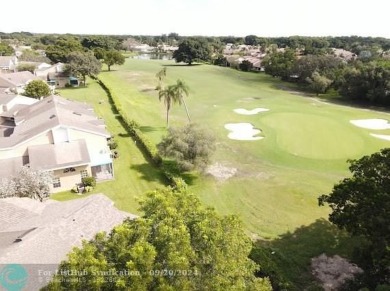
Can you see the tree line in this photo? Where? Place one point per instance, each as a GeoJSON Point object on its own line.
{"type": "Point", "coordinates": [365, 79]}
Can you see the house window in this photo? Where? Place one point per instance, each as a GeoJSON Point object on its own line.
{"type": "Point", "coordinates": [84, 174]}
{"type": "Point", "coordinates": [56, 183]}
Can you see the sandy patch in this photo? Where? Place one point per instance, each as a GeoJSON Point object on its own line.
{"type": "Point", "coordinates": [242, 131]}
{"type": "Point", "coordinates": [221, 172]}
{"type": "Point", "coordinates": [371, 123]}
{"type": "Point", "coordinates": [250, 112]}
{"type": "Point", "coordinates": [381, 136]}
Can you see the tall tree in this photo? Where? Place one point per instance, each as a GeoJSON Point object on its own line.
{"type": "Point", "coordinates": [192, 50]}
{"type": "Point", "coordinates": [169, 96]}
{"type": "Point", "coordinates": [182, 89]}
{"type": "Point", "coordinates": [176, 245]}
{"type": "Point", "coordinates": [113, 57]}
{"type": "Point", "coordinates": [279, 64]}
{"type": "Point", "coordinates": [361, 205]}
{"type": "Point", "coordinates": [319, 84]}
{"type": "Point", "coordinates": [83, 64]}
{"type": "Point", "coordinates": [37, 89]}
{"type": "Point", "coordinates": [160, 77]}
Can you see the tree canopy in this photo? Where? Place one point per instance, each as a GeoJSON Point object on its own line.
{"type": "Point", "coordinates": [6, 50]}
{"type": "Point", "coordinates": [361, 205]}
{"type": "Point", "coordinates": [37, 89]}
{"type": "Point", "coordinates": [279, 64]}
{"type": "Point", "coordinates": [113, 57]}
{"type": "Point", "coordinates": [176, 245]}
{"type": "Point", "coordinates": [193, 50]}
{"type": "Point", "coordinates": [190, 146]}
{"type": "Point", "coordinates": [83, 64]}
{"type": "Point", "coordinates": [63, 46]}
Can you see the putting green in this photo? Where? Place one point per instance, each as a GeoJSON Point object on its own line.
{"type": "Point", "coordinates": [314, 137]}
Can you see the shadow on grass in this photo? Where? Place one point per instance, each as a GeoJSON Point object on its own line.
{"type": "Point", "coordinates": [181, 65]}
{"type": "Point", "coordinates": [172, 167]}
{"type": "Point", "coordinates": [124, 135]}
{"type": "Point", "coordinates": [149, 173]}
{"type": "Point", "coordinates": [286, 260]}
{"type": "Point", "coordinates": [151, 128]}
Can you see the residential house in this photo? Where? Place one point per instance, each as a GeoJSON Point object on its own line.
{"type": "Point", "coordinates": [39, 235]}
{"type": "Point", "coordinates": [16, 82]}
{"type": "Point", "coordinates": [57, 135]}
{"type": "Point", "coordinates": [55, 75]}
{"type": "Point", "coordinates": [8, 63]}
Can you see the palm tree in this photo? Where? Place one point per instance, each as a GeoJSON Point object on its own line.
{"type": "Point", "coordinates": [170, 96]}
{"type": "Point", "coordinates": [161, 76]}
{"type": "Point", "coordinates": [182, 89]}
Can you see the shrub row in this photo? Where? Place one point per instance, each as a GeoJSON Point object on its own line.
{"type": "Point", "coordinates": [142, 141]}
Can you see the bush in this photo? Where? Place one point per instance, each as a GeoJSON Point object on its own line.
{"type": "Point", "coordinates": [88, 188]}
{"type": "Point", "coordinates": [112, 144]}
{"type": "Point", "coordinates": [89, 181]}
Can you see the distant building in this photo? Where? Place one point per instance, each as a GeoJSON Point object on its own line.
{"type": "Point", "coordinates": [8, 63]}
{"type": "Point", "coordinates": [16, 82]}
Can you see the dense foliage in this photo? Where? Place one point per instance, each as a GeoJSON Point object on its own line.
{"type": "Point", "coordinates": [367, 82]}
{"type": "Point", "coordinates": [190, 146]}
{"type": "Point", "coordinates": [361, 205]}
{"type": "Point", "coordinates": [62, 47]}
{"type": "Point", "coordinates": [6, 50]}
{"type": "Point", "coordinates": [83, 64]}
{"type": "Point", "coordinates": [176, 245]}
{"type": "Point", "coordinates": [26, 67]}
{"type": "Point", "coordinates": [33, 56]}
{"type": "Point", "coordinates": [193, 50]}
{"type": "Point", "coordinates": [37, 89]}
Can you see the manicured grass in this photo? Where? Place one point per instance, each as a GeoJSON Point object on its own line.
{"type": "Point", "coordinates": [279, 178]}
{"type": "Point", "coordinates": [133, 174]}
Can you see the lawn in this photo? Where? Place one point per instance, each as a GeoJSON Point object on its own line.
{"type": "Point", "coordinates": [279, 178]}
{"type": "Point", "coordinates": [133, 174]}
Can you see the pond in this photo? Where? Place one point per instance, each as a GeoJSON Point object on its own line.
{"type": "Point", "coordinates": [153, 56]}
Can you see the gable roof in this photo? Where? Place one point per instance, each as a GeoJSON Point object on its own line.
{"type": "Point", "coordinates": [50, 229]}
{"type": "Point", "coordinates": [11, 80]}
{"type": "Point", "coordinates": [56, 156]}
{"type": "Point", "coordinates": [5, 60]}
{"type": "Point", "coordinates": [49, 113]}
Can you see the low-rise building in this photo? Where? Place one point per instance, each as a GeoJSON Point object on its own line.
{"type": "Point", "coordinates": [54, 134]}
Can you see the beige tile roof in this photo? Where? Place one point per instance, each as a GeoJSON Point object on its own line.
{"type": "Point", "coordinates": [58, 226]}
{"type": "Point", "coordinates": [5, 60]}
{"type": "Point", "coordinates": [16, 79]}
{"type": "Point", "coordinates": [56, 156]}
{"type": "Point", "coordinates": [49, 113]}
{"type": "Point", "coordinates": [49, 230]}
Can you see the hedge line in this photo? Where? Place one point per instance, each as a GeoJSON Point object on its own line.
{"type": "Point", "coordinates": [142, 141]}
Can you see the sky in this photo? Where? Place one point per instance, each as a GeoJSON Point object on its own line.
{"type": "Point", "coordinates": [269, 18]}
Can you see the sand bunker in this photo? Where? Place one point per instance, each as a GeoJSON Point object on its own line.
{"type": "Point", "coordinates": [221, 172]}
{"type": "Point", "coordinates": [371, 123]}
{"type": "Point", "coordinates": [250, 112]}
{"type": "Point", "coordinates": [381, 136]}
{"type": "Point", "coordinates": [242, 131]}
